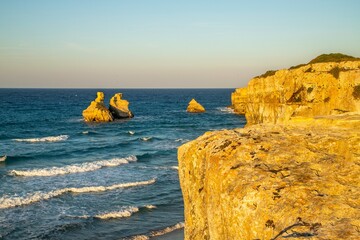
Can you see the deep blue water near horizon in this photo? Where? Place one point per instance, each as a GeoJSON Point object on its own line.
{"type": "Point", "coordinates": [52, 154]}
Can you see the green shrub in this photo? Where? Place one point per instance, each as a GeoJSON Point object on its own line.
{"type": "Point", "coordinates": [297, 66]}
{"type": "Point", "coordinates": [333, 57]}
{"type": "Point", "coordinates": [310, 89]}
{"type": "Point", "coordinates": [267, 74]}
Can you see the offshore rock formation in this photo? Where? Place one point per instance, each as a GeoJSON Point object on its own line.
{"type": "Point", "coordinates": [120, 107]}
{"type": "Point", "coordinates": [296, 179]}
{"type": "Point", "coordinates": [195, 107]}
{"type": "Point", "coordinates": [97, 112]}
{"type": "Point", "coordinates": [307, 91]}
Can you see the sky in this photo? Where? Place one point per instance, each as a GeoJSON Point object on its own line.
{"type": "Point", "coordinates": [166, 43]}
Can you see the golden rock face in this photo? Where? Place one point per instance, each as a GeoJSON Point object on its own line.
{"type": "Point", "coordinates": [195, 107]}
{"type": "Point", "coordinates": [308, 91]}
{"type": "Point", "coordinates": [292, 172]}
{"type": "Point", "coordinates": [120, 107]}
{"type": "Point", "coordinates": [257, 182]}
{"type": "Point", "coordinates": [97, 112]}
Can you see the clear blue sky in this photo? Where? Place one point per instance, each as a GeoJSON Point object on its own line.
{"type": "Point", "coordinates": [153, 43]}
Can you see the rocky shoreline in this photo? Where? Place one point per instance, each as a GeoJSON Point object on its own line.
{"type": "Point", "coordinates": [292, 172]}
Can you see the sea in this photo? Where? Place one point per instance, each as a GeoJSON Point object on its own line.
{"type": "Point", "coordinates": [64, 178]}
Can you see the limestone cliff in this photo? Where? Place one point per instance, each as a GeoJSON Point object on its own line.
{"type": "Point", "coordinates": [292, 172]}
{"type": "Point", "coordinates": [120, 107]}
{"type": "Point", "coordinates": [273, 182]}
{"type": "Point", "coordinates": [97, 111]}
{"type": "Point", "coordinates": [310, 90]}
{"type": "Point", "coordinates": [195, 107]}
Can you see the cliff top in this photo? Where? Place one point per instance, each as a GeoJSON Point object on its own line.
{"type": "Point", "coordinates": [323, 58]}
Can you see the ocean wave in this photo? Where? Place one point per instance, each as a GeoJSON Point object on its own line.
{"type": "Point", "coordinates": [44, 139]}
{"type": "Point", "coordinates": [225, 109]}
{"type": "Point", "coordinates": [182, 140]}
{"type": "Point", "coordinates": [160, 167]}
{"type": "Point", "coordinates": [146, 138]}
{"type": "Point", "coordinates": [131, 132]}
{"type": "Point", "coordinates": [167, 230]}
{"type": "Point", "coordinates": [9, 202]}
{"type": "Point", "coordinates": [127, 212]}
{"type": "Point", "coordinates": [75, 168]}
{"type": "Point", "coordinates": [117, 214]}
{"type": "Point", "coordinates": [3, 158]}
{"type": "Point", "coordinates": [157, 232]}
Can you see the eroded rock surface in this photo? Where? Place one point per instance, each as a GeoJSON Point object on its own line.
{"type": "Point", "coordinates": [120, 107]}
{"type": "Point", "coordinates": [307, 91]}
{"type": "Point", "coordinates": [97, 111]}
{"type": "Point", "coordinates": [195, 107]}
{"type": "Point", "coordinates": [270, 181]}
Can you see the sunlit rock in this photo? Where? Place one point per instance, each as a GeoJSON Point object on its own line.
{"type": "Point", "coordinates": [97, 112]}
{"type": "Point", "coordinates": [120, 107]}
{"type": "Point", "coordinates": [195, 107]}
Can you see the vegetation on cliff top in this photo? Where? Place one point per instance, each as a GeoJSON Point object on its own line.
{"type": "Point", "coordinates": [331, 57]}
{"type": "Point", "coordinates": [323, 58]}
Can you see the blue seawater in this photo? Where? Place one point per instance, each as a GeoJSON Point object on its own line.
{"type": "Point", "coordinates": [67, 179]}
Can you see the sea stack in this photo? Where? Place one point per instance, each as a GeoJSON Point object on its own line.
{"type": "Point", "coordinates": [120, 107]}
{"type": "Point", "coordinates": [97, 112]}
{"type": "Point", "coordinates": [293, 171]}
{"type": "Point", "coordinates": [195, 107]}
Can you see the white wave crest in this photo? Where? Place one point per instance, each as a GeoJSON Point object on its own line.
{"type": "Point", "coordinates": [157, 233]}
{"type": "Point", "coordinates": [3, 158]}
{"type": "Point", "coordinates": [9, 202]}
{"type": "Point", "coordinates": [131, 132]}
{"type": "Point", "coordinates": [150, 206]}
{"type": "Point", "coordinates": [44, 139]}
{"type": "Point", "coordinates": [146, 138]}
{"type": "Point", "coordinates": [167, 230]}
{"type": "Point", "coordinates": [138, 237]}
{"type": "Point", "coordinates": [225, 109]}
{"type": "Point", "coordinates": [118, 214]}
{"type": "Point", "coordinates": [75, 168]}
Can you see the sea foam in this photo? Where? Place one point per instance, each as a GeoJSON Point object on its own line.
{"type": "Point", "coordinates": [117, 214]}
{"type": "Point", "coordinates": [157, 232]}
{"type": "Point", "coordinates": [167, 230]}
{"type": "Point", "coordinates": [9, 202]}
{"type": "Point", "coordinates": [225, 109]}
{"type": "Point", "coordinates": [75, 168]}
{"type": "Point", "coordinates": [44, 139]}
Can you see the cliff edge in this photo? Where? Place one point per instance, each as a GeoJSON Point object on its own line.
{"type": "Point", "coordinates": [308, 90]}
{"type": "Point", "coordinates": [292, 173]}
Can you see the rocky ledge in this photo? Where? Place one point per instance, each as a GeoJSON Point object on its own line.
{"type": "Point", "coordinates": [296, 179]}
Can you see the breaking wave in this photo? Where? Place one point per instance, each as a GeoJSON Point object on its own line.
{"type": "Point", "coordinates": [117, 214]}
{"type": "Point", "coordinates": [157, 232]}
{"type": "Point", "coordinates": [44, 139]}
{"type": "Point", "coordinates": [131, 132]}
{"type": "Point", "coordinates": [225, 109]}
{"type": "Point", "coordinates": [146, 138]}
{"type": "Point", "coordinates": [75, 168]}
{"type": "Point", "coordinates": [9, 202]}
{"type": "Point", "coordinates": [3, 158]}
